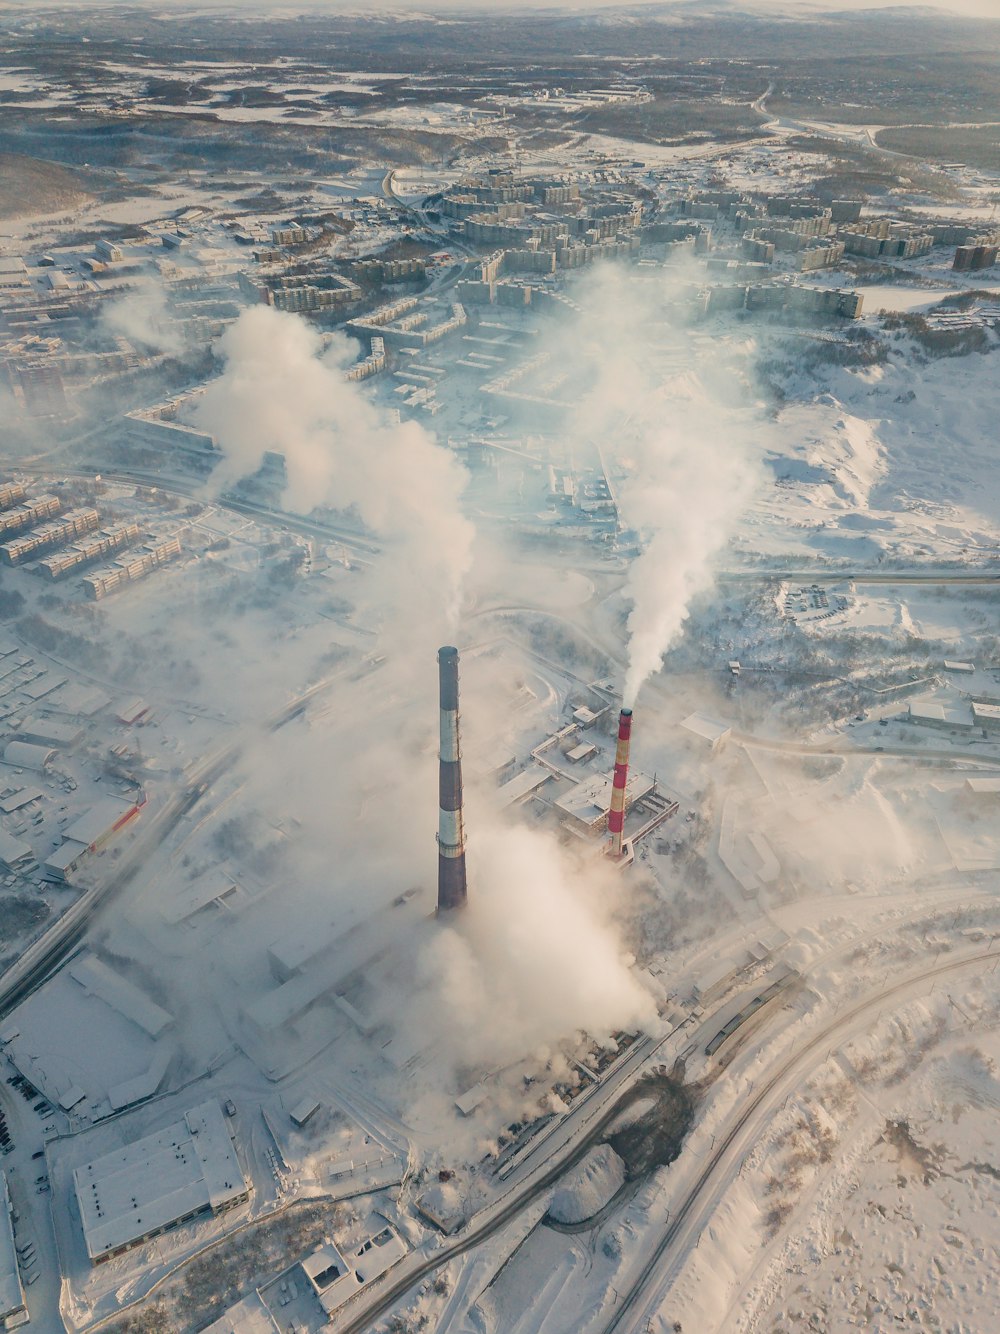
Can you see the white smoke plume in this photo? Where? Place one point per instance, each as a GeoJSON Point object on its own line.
{"type": "Point", "coordinates": [683, 439]}
{"type": "Point", "coordinates": [282, 391]}
{"type": "Point", "coordinates": [536, 957]}
{"type": "Point", "coordinates": [143, 317]}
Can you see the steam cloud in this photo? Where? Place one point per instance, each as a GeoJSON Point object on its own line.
{"type": "Point", "coordinates": [684, 443]}
{"type": "Point", "coordinates": [281, 391]}
{"type": "Point", "coordinates": [142, 316]}
{"type": "Point", "coordinates": [536, 958]}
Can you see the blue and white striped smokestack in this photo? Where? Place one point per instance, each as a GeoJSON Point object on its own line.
{"type": "Point", "coordinates": [452, 887]}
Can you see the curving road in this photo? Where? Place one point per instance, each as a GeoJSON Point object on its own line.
{"type": "Point", "coordinates": [695, 1210]}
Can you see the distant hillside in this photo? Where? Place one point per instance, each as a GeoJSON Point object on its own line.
{"type": "Point", "coordinates": [29, 185]}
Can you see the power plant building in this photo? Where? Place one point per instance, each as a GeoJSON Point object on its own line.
{"type": "Point", "coordinates": [588, 804]}
{"type": "Point", "coordinates": [132, 1194]}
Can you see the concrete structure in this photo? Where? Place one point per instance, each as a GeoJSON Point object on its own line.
{"type": "Point", "coordinates": [101, 544]}
{"type": "Point", "coordinates": [452, 883]}
{"type": "Point", "coordinates": [23, 516]}
{"type": "Point", "coordinates": [11, 493]}
{"type": "Point", "coordinates": [131, 1194]}
{"type": "Point", "coordinates": [303, 1112]}
{"type": "Point", "coordinates": [60, 865]}
{"type": "Point", "coordinates": [75, 523]}
{"type": "Point", "coordinates": [522, 786]}
{"type": "Point", "coordinates": [47, 732]}
{"type": "Point", "coordinates": [708, 729]}
{"type": "Point", "coordinates": [616, 815]}
{"type": "Point", "coordinates": [96, 829]}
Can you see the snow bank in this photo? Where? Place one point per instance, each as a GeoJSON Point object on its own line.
{"type": "Point", "coordinates": [589, 1186]}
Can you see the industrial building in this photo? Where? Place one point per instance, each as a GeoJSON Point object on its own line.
{"type": "Point", "coordinates": [89, 834]}
{"type": "Point", "coordinates": [13, 853]}
{"type": "Point", "coordinates": [158, 1182]}
{"type": "Point", "coordinates": [986, 716]}
{"type": "Point", "coordinates": [588, 804]}
{"type": "Point", "coordinates": [944, 717]}
{"type": "Point", "coordinates": [26, 755]}
{"type": "Point", "coordinates": [47, 732]}
{"type": "Point", "coordinates": [90, 1040]}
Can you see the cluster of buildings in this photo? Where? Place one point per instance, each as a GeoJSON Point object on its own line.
{"type": "Point", "coordinates": [821, 234]}
{"type": "Point", "coordinates": [542, 224]}
{"type": "Point", "coordinates": [45, 539]}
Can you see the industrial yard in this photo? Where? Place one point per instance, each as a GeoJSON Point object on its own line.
{"type": "Point", "coordinates": [499, 674]}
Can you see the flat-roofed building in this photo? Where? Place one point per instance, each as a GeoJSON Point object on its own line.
{"type": "Point", "coordinates": [589, 802]}
{"type": "Point", "coordinates": [945, 717]}
{"type": "Point", "coordinates": [158, 1182]}
{"type": "Point", "coordinates": [986, 716]}
{"type": "Point", "coordinates": [13, 853]}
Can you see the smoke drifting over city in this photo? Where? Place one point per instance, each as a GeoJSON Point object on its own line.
{"type": "Point", "coordinates": [499, 666]}
{"type": "Point", "coordinates": [538, 955]}
{"type": "Point", "coordinates": [684, 440]}
{"type": "Point", "coordinates": [281, 391]}
{"type": "Point", "coordinates": [143, 316]}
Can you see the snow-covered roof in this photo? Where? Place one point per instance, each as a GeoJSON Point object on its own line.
{"type": "Point", "coordinates": [709, 729]}
{"type": "Point", "coordinates": [47, 732]}
{"type": "Point", "coordinates": [12, 850]}
{"type": "Point", "coordinates": [65, 857]}
{"type": "Point", "coordinates": [931, 711]}
{"type": "Point", "coordinates": [590, 800]}
{"type": "Point", "coordinates": [11, 1292]}
{"type": "Point", "coordinates": [184, 1169]}
{"type": "Point", "coordinates": [99, 980]}
{"type": "Point", "coordinates": [26, 756]}
{"type": "Point", "coordinates": [23, 797]}
{"type": "Point", "coordinates": [523, 784]}
{"type": "Point", "coordinates": [98, 821]}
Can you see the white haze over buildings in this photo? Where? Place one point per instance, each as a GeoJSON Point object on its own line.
{"type": "Point", "coordinates": [538, 955]}
{"type": "Point", "coordinates": [142, 317]}
{"type": "Point", "coordinates": [682, 436]}
{"type": "Point", "coordinates": [282, 391]}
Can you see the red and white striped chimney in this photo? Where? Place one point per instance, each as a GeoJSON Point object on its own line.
{"type": "Point", "coordinates": [616, 815]}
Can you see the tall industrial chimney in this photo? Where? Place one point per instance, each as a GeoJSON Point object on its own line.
{"type": "Point", "coordinates": [452, 888]}
{"type": "Point", "coordinates": [616, 815]}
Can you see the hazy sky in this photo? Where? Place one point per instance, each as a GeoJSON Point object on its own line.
{"type": "Point", "coordinates": [988, 9]}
